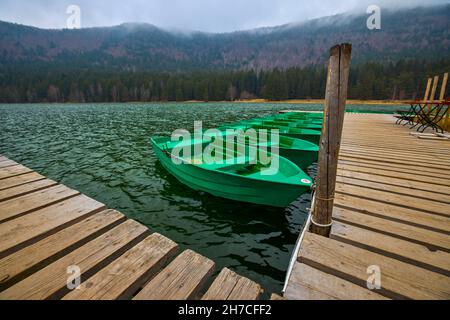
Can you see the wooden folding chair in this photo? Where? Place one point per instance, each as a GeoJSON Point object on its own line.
{"type": "Point", "coordinates": [410, 115]}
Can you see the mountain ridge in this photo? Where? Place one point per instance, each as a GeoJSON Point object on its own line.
{"type": "Point", "coordinates": [421, 32]}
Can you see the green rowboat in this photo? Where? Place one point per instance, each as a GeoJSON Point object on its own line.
{"type": "Point", "coordinates": [279, 123]}
{"type": "Point", "coordinates": [301, 152]}
{"type": "Point", "coordinates": [242, 179]}
{"type": "Point", "coordinates": [297, 133]}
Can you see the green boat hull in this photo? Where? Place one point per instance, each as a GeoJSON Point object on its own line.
{"type": "Point", "coordinates": [249, 187]}
{"type": "Point", "coordinates": [296, 133]}
{"type": "Point", "coordinates": [285, 124]}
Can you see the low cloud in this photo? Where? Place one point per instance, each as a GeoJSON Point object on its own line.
{"type": "Point", "coordinates": [201, 15]}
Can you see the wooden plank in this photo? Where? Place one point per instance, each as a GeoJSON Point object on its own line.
{"type": "Point", "coordinates": [424, 159]}
{"type": "Point", "coordinates": [413, 253]}
{"type": "Point", "coordinates": [124, 276]}
{"type": "Point", "coordinates": [230, 286]}
{"type": "Point", "coordinates": [275, 296]}
{"type": "Point", "coordinates": [245, 289]}
{"type": "Point", "coordinates": [391, 181]}
{"type": "Point", "coordinates": [38, 223]}
{"type": "Point", "coordinates": [181, 279]}
{"type": "Point", "coordinates": [18, 180]}
{"type": "Point", "coordinates": [13, 171]}
{"type": "Point", "coordinates": [50, 282]}
{"type": "Point", "coordinates": [427, 91]}
{"type": "Point", "coordinates": [394, 174]}
{"type": "Point", "coordinates": [399, 190]}
{"type": "Point", "coordinates": [428, 206]}
{"type": "Point", "coordinates": [33, 201]}
{"type": "Point", "coordinates": [395, 168]}
{"type": "Point", "coordinates": [7, 163]}
{"type": "Point", "coordinates": [393, 212]}
{"type": "Point", "coordinates": [405, 146]}
{"type": "Point", "coordinates": [23, 189]}
{"type": "Point", "coordinates": [398, 279]}
{"type": "Point", "coordinates": [386, 159]}
{"type": "Point", "coordinates": [31, 258]}
{"type": "Point", "coordinates": [443, 87]}
{"type": "Point", "coordinates": [430, 239]}
{"type": "Point", "coordinates": [307, 283]}
{"type": "Point", "coordinates": [433, 90]}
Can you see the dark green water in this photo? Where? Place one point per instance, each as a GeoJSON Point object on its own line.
{"type": "Point", "coordinates": [103, 151]}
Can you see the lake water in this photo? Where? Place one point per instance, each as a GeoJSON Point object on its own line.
{"type": "Point", "coordinates": [103, 150]}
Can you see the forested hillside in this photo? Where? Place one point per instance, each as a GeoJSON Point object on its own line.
{"type": "Point", "coordinates": [139, 62]}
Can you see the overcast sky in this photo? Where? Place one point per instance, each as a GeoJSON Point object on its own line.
{"type": "Point", "coordinates": [202, 15]}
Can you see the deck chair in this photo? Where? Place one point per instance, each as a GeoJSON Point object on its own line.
{"type": "Point", "coordinates": [433, 111]}
{"type": "Point", "coordinates": [408, 116]}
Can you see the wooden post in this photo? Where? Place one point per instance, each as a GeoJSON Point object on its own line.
{"type": "Point", "coordinates": [330, 141]}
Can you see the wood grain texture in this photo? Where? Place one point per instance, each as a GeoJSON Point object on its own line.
{"type": "Point", "coordinates": [18, 180]}
{"type": "Point", "coordinates": [50, 248]}
{"type": "Point", "coordinates": [312, 284]}
{"type": "Point", "coordinates": [181, 279]}
{"type": "Point", "coordinates": [13, 171]}
{"type": "Point", "coordinates": [398, 279]}
{"type": "Point", "coordinates": [51, 279]}
{"type": "Point", "coordinates": [230, 286]}
{"type": "Point", "coordinates": [403, 250]}
{"type": "Point", "coordinates": [35, 200]}
{"type": "Point", "coordinates": [23, 189]}
{"type": "Point", "coordinates": [124, 276]}
{"type": "Point", "coordinates": [40, 222]}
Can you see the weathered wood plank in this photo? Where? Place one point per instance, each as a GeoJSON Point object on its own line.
{"type": "Point", "coordinates": [181, 279]}
{"type": "Point", "coordinates": [381, 166]}
{"type": "Point", "coordinates": [275, 296]}
{"type": "Point", "coordinates": [393, 212]}
{"type": "Point", "coordinates": [307, 283]}
{"type": "Point", "coordinates": [45, 251]}
{"type": "Point", "coordinates": [384, 159]}
{"type": "Point", "coordinates": [413, 253]}
{"type": "Point", "coordinates": [399, 174]}
{"type": "Point", "coordinates": [18, 180]}
{"type": "Point", "coordinates": [40, 222]}
{"type": "Point", "coordinates": [428, 238]}
{"type": "Point", "coordinates": [230, 286]}
{"type": "Point", "coordinates": [403, 200]}
{"type": "Point", "coordinates": [23, 189]}
{"type": "Point", "coordinates": [410, 157]}
{"type": "Point", "coordinates": [35, 200]}
{"type": "Point", "coordinates": [398, 279]}
{"type": "Point", "coordinates": [8, 163]}
{"type": "Point", "coordinates": [350, 177]}
{"type": "Point", "coordinates": [13, 171]}
{"type": "Point", "coordinates": [51, 281]}
{"type": "Point", "coordinates": [123, 277]}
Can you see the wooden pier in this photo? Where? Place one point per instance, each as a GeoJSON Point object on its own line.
{"type": "Point", "coordinates": [46, 228]}
{"type": "Point", "coordinates": [391, 213]}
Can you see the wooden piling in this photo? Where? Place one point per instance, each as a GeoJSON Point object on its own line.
{"type": "Point", "coordinates": [334, 109]}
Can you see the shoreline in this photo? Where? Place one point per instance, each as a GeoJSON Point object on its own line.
{"type": "Point", "coordinates": [261, 101]}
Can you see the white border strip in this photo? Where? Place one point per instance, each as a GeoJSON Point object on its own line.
{"type": "Point", "coordinates": [297, 245]}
